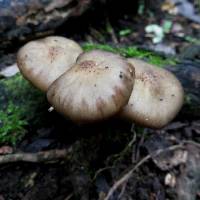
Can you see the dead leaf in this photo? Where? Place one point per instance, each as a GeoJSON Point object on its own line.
{"type": "Point", "coordinates": [167, 159]}
{"type": "Point", "coordinates": [9, 71]}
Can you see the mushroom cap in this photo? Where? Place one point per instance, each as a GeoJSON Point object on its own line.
{"type": "Point", "coordinates": [43, 61]}
{"type": "Point", "coordinates": [95, 88]}
{"type": "Point", "coordinates": [156, 98]}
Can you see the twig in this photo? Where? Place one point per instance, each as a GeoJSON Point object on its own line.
{"type": "Point", "coordinates": [42, 156]}
{"type": "Point", "coordinates": [69, 196]}
{"type": "Point", "coordinates": [122, 152]}
{"type": "Point", "coordinates": [191, 142]}
{"type": "Point", "coordinates": [111, 32]}
{"type": "Point", "coordinates": [122, 191]}
{"type": "Point", "coordinates": [134, 135]}
{"type": "Point", "coordinates": [128, 175]}
{"type": "Point", "coordinates": [100, 171]}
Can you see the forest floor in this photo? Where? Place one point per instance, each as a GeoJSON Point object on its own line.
{"type": "Point", "coordinates": [114, 159]}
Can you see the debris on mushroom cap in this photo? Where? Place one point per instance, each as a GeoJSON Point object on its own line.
{"type": "Point", "coordinates": [95, 88]}
{"type": "Point", "coordinates": [156, 98]}
{"type": "Point", "coordinates": [43, 61]}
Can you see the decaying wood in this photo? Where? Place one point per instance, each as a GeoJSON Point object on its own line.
{"type": "Point", "coordinates": [25, 20]}
{"type": "Point", "coordinates": [20, 19]}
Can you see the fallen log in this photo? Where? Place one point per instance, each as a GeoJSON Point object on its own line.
{"type": "Point", "coordinates": [28, 18]}
{"type": "Point", "coordinates": [25, 20]}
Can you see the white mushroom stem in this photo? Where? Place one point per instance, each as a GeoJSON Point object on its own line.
{"type": "Point", "coordinates": [51, 109]}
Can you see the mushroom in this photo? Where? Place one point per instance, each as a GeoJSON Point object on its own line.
{"type": "Point", "coordinates": [96, 87]}
{"type": "Point", "coordinates": [43, 61]}
{"type": "Point", "coordinates": [156, 98]}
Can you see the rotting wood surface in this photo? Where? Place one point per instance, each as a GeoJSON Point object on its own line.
{"type": "Point", "coordinates": [24, 19]}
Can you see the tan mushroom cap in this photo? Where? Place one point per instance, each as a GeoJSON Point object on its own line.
{"type": "Point", "coordinates": [43, 61]}
{"type": "Point", "coordinates": [156, 98]}
{"type": "Point", "coordinates": [95, 88]}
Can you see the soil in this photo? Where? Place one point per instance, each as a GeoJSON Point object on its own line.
{"type": "Point", "coordinates": [103, 153]}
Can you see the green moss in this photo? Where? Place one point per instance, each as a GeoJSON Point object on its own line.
{"type": "Point", "coordinates": [132, 51]}
{"type": "Point", "coordinates": [20, 103]}
{"type": "Point", "coordinates": [11, 124]}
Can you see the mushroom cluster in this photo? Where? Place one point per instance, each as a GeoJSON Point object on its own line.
{"type": "Point", "coordinates": [95, 85]}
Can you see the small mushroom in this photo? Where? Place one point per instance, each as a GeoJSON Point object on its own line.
{"type": "Point", "coordinates": [156, 98]}
{"type": "Point", "coordinates": [95, 88]}
{"type": "Point", "coordinates": [43, 61]}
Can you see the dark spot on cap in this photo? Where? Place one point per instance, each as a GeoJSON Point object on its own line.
{"type": "Point", "coordinates": [161, 99]}
{"type": "Point", "coordinates": [173, 95]}
{"type": "Point", "coordinates": [121, 75]}
{"type": "Point", "coordinates": [95, 85]}
{"type": "Point", "coordinates": [106, 67]}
